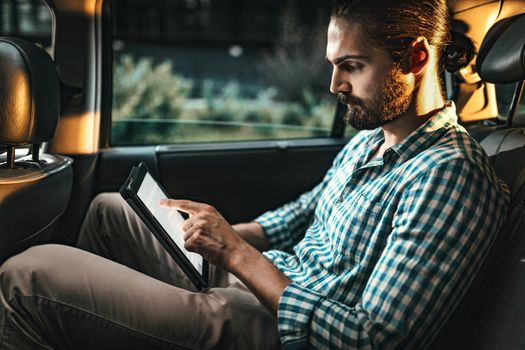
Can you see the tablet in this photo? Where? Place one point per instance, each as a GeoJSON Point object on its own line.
{"type": "Point", "coordinates": [143, 194]}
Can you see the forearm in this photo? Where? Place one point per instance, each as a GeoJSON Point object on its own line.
{"type": "Point", "coordinates": [265, 281]}
{"type": "Point", "coordinates": [253, 233]}
{"type": "Point", "coordinates": [206, 232]}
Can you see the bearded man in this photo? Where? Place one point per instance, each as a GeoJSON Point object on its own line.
{"type": "Point", "coordinates": [376, 256]}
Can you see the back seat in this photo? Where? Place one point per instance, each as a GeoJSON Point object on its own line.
{"type": "Point", "coordinates": [492, 314]}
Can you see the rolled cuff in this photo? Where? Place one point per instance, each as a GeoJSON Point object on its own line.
{"type": "Point", "coordinates": [276, 230]}
{"type": "Point", "coordinates": [295, 310]}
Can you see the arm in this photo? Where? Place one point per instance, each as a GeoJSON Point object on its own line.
{"type": "Point", "coordinates": [206, 232]}
{"type": "Point", "coordinates": [443, 228]}
{"type": "Point", "coordinates": [286, 226]}
{"type": "Point", "coordinates": [253, 233]}
{"type": "Point", "coordinates": [265, 281]}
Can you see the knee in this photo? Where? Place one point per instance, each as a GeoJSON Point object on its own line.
{"type": "Point", "coordinates": [20, 273]}
{"type": "Point", "coordinates": [39, 271]}
{"type": "Point", "coordinates": [104, 208]}
{"type": "Point", "coordinates": [107, 203]}
{"type": "Point", "coordinates": [104, 214]}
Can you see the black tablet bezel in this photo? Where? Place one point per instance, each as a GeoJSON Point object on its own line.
{"type": "Point", "coordinates": [129, 192]}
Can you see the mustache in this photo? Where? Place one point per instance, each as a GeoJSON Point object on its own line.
{"type": "Point", "coordinates": [348, 99]}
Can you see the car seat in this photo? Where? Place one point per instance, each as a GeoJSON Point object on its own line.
{"type": "Point", "coordinates": [492, 312]}
{"type": "Point", "coordinates": [34, 186]}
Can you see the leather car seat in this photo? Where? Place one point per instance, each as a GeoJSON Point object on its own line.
{"type": "Point", "coordinates": [35, 188]}
{"type": "Point", "coordinates": [492, 313]}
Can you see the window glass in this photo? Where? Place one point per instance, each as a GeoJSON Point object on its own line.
{"type": "Point", "coordinates": [26, 19]}
{"type": "Point", "coordinates": [222, 70]}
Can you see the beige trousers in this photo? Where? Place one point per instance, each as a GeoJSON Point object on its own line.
{"type": "Point", "coordinates": [120, 290]}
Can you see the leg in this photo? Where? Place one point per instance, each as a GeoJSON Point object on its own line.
{"type": "Point", "coordinates": [55, 296]}
{"type": "Point", "coordinates": [112, 229]}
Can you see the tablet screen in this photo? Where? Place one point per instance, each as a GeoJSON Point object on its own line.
{"type": "Point", "coordinates": [170, 219]}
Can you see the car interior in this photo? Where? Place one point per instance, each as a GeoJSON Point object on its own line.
{"type": "Point", "coordinates": [58, 151]}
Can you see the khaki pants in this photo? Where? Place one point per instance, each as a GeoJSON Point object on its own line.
{"type": "Point", "coordinates": [121, 290]}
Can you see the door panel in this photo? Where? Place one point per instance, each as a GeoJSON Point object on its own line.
{"type": "Point", "coordinates": [241, 180]}
{"type": "Point", "coordinates": [116, 163]}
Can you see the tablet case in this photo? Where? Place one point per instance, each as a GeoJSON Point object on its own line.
{"type": "Point", "coordinates": [128, 192]}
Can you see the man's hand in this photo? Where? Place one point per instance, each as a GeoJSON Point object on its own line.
{"type": "Point", "coordinates": [206, 232]}
{"type": "Point", "coordinates": [209, 234]}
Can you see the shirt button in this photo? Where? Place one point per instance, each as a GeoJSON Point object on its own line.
{"type": "Point", "coordinates": [340, 199]}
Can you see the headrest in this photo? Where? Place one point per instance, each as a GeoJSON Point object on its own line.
{"type": "Point", "coordinates": [501, 57]}
{"type": "Point", "coordinates": [29, 93]}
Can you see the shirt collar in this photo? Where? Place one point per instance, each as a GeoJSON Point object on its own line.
{"type": "Point", "coordinates": [424, 136]}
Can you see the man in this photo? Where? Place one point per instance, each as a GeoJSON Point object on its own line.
{"type": "Point", "coordinates": [376, 256]}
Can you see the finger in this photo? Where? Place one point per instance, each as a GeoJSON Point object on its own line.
{"type": "Point", "coordinates": [193, 221]}
{"type": "Point", "coordinates": [186, 206]}
{"type": "Point", "coordinates": [192, 243]}
{"type": "Point", "coordinates": [186, 235]}
{"type": "Point", "coordinates": [191, 231]}
{"type": "Point", "coordinates": [188, 245]}
{"type": "Point", "coordinates": [188, 224]}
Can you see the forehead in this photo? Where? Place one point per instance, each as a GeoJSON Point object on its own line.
{"type": "Point", "coordinates": [346, 38]}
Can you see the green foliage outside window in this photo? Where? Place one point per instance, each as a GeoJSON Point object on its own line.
{"type": "Point", "coordinates": [154, 104]}
{"type": "Point", "coordinates": [151, 104]}
{"type": "Point", "coordinates": [145, 90]}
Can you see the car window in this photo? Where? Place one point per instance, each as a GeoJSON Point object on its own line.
{"type": "Point", "coordinates": [224, 70]}
{"type": "Point", "coordinates": [26, 19]}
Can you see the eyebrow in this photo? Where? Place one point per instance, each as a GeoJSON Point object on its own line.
{"type": "Point", "coordinates": [341, 59]}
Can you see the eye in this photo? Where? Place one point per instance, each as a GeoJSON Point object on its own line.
{"type": "Point", "coordinates": [350, 67]}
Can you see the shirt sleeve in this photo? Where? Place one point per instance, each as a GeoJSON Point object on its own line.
{"type": "Point", "coordinates": [286, 226]}
{"type": "Point", "coordinates": [444, 225]}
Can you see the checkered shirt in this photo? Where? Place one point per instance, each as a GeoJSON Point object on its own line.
{"type": "Point", "coordinates": [381, 251]}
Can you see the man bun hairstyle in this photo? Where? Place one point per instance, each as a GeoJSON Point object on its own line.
{"type": "Point", "coordinates": [393, 24]}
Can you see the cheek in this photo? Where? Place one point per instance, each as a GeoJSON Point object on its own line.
{"type": "Point", "coordinates": [369, 87]}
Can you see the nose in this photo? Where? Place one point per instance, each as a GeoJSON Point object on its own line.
{"type": "Point", "coordinates": [339, 82]}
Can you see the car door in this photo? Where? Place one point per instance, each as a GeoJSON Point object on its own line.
{"type": "Point", "coordinates": [227, 102]}
{"type": "Point", "coordinates": [225, 130]}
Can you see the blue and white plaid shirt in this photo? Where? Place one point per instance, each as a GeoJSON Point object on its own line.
{"type": "Point", "coordinates": [381, 251]}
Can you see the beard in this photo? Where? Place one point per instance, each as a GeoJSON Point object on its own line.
{"type": "Point", "coordinates": [387, 103]}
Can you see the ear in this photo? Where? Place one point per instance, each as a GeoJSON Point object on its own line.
{"type": "Point", "coordinates": [418, 55]}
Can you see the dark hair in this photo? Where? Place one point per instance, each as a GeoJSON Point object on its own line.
{"type": "Point", "coordinates": [393, 24]}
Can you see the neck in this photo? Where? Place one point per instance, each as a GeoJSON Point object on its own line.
{"type": "Point", "coordinates": [428, 100]}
